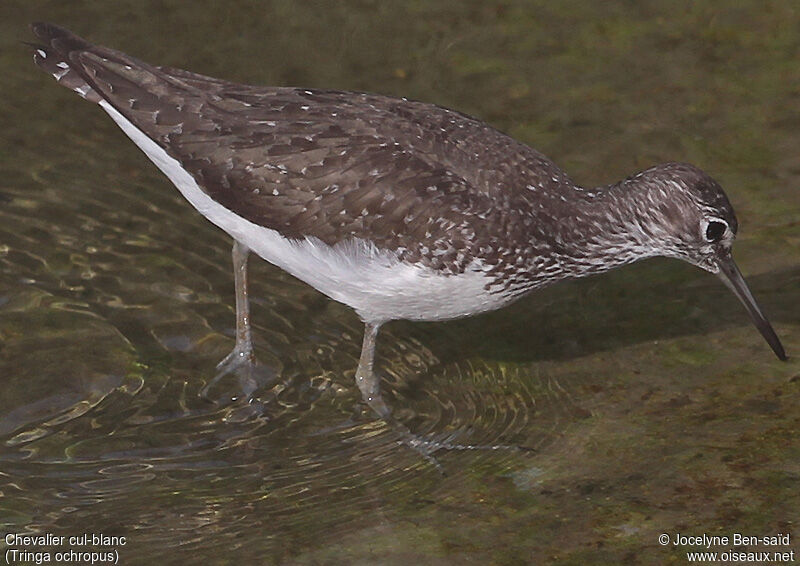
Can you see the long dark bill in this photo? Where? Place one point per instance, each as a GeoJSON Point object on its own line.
{"type": "Point", "coordinates": [733, 279]}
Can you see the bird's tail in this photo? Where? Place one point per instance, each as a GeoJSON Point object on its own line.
{"type": "Point", "coordinates": [60, 53]}
{"type": "Point", "coordinates": [156, 100]}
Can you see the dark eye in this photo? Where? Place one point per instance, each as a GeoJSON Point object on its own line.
{"type": "Point", "coordinates": [715, 231]}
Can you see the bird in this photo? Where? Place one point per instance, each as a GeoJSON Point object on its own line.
{"type": "Point", "coordinates": [400, 209]}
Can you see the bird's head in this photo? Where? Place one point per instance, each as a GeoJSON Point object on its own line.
{"type": "Point", "coordinates": [684, 213]}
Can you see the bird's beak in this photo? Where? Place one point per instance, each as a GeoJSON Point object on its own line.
{"type": "Point", "coordinates": [733, 279]}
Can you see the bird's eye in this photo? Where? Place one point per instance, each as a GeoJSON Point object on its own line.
{"type": "Point", "coordinates": [715, 230]}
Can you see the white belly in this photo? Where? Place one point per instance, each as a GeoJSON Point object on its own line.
{"type": "Point", "coordinates": [373, 282]}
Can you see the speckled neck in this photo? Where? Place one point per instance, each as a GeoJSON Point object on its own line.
{"type": "Point", "coordinates": [611, 226]}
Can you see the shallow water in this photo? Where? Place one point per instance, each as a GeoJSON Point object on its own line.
{"type": "Point", "coordinates": [652, 404]}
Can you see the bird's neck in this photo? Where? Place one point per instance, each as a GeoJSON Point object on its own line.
{"type": "Point", "coordinates": [607, 228]}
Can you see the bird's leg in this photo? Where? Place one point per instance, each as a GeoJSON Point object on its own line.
{"type": "Point", "coordinates": [370, 387]}
{"type": "Point", "coordinates": [241, 357]}
{"type": "Point", "coordinates": [242, 353]}
{"type": "Point", "coordinates": [367, 381]}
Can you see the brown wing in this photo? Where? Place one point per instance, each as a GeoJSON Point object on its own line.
{"type": "Point", "coordinates": [332, 165]}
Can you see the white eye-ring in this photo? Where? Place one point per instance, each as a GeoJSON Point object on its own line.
{"type": "Point", "coordinates": [715, 229]}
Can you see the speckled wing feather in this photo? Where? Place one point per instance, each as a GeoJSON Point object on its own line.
{"type": "Point", "coordinates": [327, 164]}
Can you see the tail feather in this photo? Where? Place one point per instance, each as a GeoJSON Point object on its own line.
{"type": "Point", "coordinates": [93, 71]}
{"type": "Point", "coordinates": [157, 101]}
{"type": "Point", "coordinates": [154, 100]}
{"type": "Point", "coordinates": [54, 57]}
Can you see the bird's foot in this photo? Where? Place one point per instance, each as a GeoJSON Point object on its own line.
{"type": "Point", "coordinates": [241, 361]}
{"type": "Point", "coordinates": [427, 447]}
{"type": "Point", "coordinates": [241, 356]}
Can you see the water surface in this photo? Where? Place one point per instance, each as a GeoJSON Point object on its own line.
{"type": "Point", "coordinates": [652, 404]}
